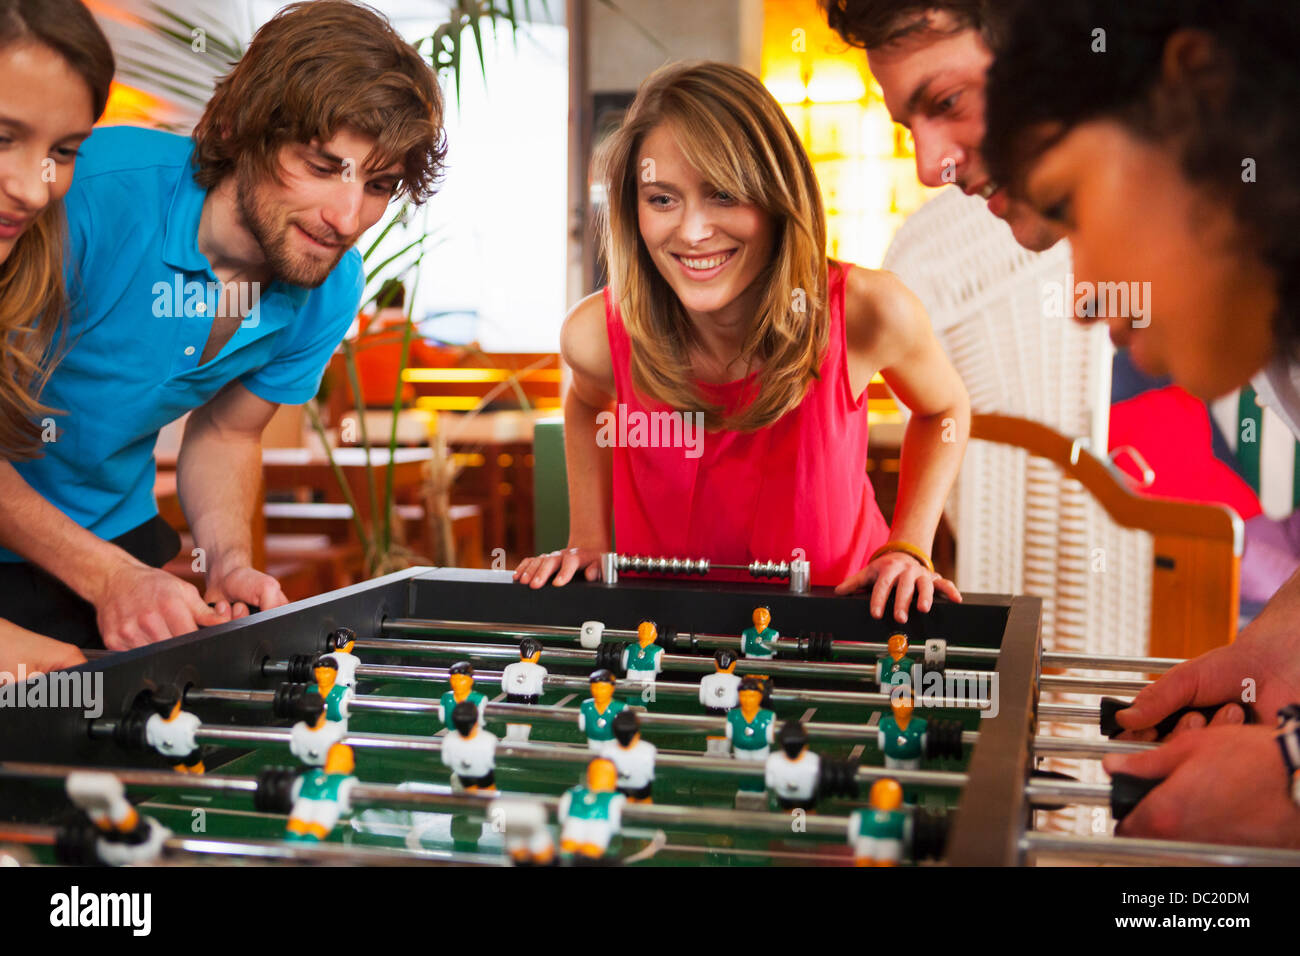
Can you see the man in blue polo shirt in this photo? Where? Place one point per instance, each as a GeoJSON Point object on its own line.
{"type": "Point", "coordinates": [212, 275]}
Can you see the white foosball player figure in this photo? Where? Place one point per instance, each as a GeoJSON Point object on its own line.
{"type": "Point", "coordinates": [527, 838]}
{"type": "Point", "coordinates": [633, 758]}
{"type": "Point", "coordinates": [314, 734]}
{"type": "Point", "coordinates": [172, 731]}
{"type": "Point", "coordinates": [469, 751]}
{"type": "Point", "coordinates": [792, 773]}
{"type": "Point", "coordinates": [339, 644]}
{"type": "Point", "coordinates": [719, 693]}
{"type": "Point", "coordinates": [126, 837]}
{"type": "Point", "coordinates": [591, 815]}
{"type": "Point", "coordinates": [322, 796]}
{"type": "Point", "coordinates": [876, 834]}
{"type": "Point", "coordinates": [523, 681]}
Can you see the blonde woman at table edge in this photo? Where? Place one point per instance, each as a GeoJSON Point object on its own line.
{"type": "Point", "coordinates": [724, 307]}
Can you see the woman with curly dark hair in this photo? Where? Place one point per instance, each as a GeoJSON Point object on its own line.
{"type": "Point", "coordinates": [1162, 136]}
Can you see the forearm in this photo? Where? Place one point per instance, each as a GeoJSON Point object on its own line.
{"type": "Point", "coordinates": [218, 475]}
{"type": "Point", "coordinates": [590, 476]}
{"type": "Point", "coordinates": [933, 446]}
{"type": "Point", "coordinates": [45, 536]}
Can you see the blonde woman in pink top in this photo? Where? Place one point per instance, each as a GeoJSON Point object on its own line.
{"type": "Point", "coordinates": [718, 407]}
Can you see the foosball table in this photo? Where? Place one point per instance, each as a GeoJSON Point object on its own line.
{"type": "Point", "coordinates": [452, 716]}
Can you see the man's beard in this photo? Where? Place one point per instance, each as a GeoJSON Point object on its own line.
{"type": "Point", "coordinates": [260, 218]}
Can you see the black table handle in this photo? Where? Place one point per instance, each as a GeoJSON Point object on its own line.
{"type": "Point", "coordinates": [1127, 791]}
{"type": "Point", "coordinates": [1112, 705]}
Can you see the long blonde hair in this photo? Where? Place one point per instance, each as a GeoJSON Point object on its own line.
{"type": "Point", "coordinates": [733, 132]}
{"type": "Point", "coordinates": [32, 296]}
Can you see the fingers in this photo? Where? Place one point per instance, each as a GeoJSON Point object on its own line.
{"type": "Point", "coordinates": [536, 571]}
{"type": "Point", "coordinates": [924, 593]}
{"type": "Point", "coordinates": [198, 612]}
{"type": "Point", "coordinates": [904, 588]}
{"type": "Point", "coordinates": [130, 635]}
{"type": "Point", "coordinates": [563, 564]}
{"type": "Point", "coordinates": [238, 609]}
{"type": "Point", "coordinates": [569, 564]}
{"type": "Point", "coordinates": [272, 595]}
{"type": "Point", "coordinates": [154, 627]}
{"type": "Point", "coordinates": [1208, 679]}
{"type": "Point", "coordinates": [1160, 762]}
{"type": "Point", "coordinates": [179, 618]}
{"type": "Point", "coordinates": [880, 593]}
{"type": "Point", "coordinates": [1228, 715]}
{"type": "Point", "coordinates": [947, 588]}
{"type": "Point", "coordinates": [856, 582]}
{"type": "Point", "coordinates": [67, 655]}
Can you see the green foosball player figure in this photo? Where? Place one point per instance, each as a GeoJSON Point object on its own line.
{"type": "Point", "coordinates": [336, 696]}
{"type": "Point", "coordinates": [321, 796]}
{"type": "Point", "coordinates": [461, 678]}
{"type": "Point", "coordinates": [643, 661]}
{"type": "Point", "coordinates": [876, 834]}
{"type": "Point", "coordinates": [901, 736]}
{"type": "Point", "coordinates": [597, 713]}
{"type": "Point", "coordinates": [751, 728]}
{"type": "Point", "coordinates": [591, 815]}
{"type": "Point", "coordinates": [759, 641]}
{"type": "Point", "coordinates": [894, 668]}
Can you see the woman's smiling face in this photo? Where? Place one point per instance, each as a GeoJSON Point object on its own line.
{"type": "Point", "coordinates": [45, 115]}
{"type": "Point", "coordinates": [1208, 300]}
{"type": "Point", "coordinates": [708, 245]}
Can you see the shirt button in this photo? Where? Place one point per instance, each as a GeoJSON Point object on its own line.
{"type": "Point", "coordinates": [189, 350]}
{"type": "Point", "coordinates": [200, 307]}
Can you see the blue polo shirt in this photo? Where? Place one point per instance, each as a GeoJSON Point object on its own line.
{"type": "Point", "coordinates": [142, 297]}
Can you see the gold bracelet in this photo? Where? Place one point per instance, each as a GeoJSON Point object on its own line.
{"type": "Point", "coordinates": [903, 547]}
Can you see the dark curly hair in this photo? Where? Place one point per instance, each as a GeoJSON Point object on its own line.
{"type": "Point", "coordinates": [871, 24]}
{"type": "Point", "coordinates": [1046, 80]}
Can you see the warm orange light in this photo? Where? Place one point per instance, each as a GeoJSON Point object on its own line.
{"type": "Point", "coordinates": [458, 376]}
{"type": "Point", "coordinates": [128, 105]}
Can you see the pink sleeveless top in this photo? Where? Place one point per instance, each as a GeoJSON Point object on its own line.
{"type": "Point", "coordinates": [800, 483]}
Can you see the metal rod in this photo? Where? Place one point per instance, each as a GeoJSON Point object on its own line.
{"type": "Point", "coordinates": [677, 662]}
{"type": "Point", "coordinates": [1068, 791]}
{"type": "Point", "coordinates": [1091, 685]}
{"type": "Point", "coordinates": [550, 752]}
{"type": "Point", "coordinates": [1070, 713]}
{"type": "Point", "coordinates": [388, 795]}
{"type": "Point", "coordinates": [1043, 745]}
{"type": "Point", "coordinates": [35, 834]}
{"type": "Point", "coordinates": [1129, 848]}
{"type": "Point", "coordinates": [1047, 746]}
{"type": "Point", "coordinates": [627, 687]}
{"type": "Point", "coordinates": [846, 649]}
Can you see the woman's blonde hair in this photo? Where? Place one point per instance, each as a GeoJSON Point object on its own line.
{"type": "Point", "coordinates": [32, 294]}
{"type": "Point", "coordinates": [733, 132]}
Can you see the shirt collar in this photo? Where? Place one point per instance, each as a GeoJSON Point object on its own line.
{"type": "Point", "coordinates": [181, 237]}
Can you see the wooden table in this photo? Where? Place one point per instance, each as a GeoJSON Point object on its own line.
{"type": "Point", "coordinates": [294, 468]}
